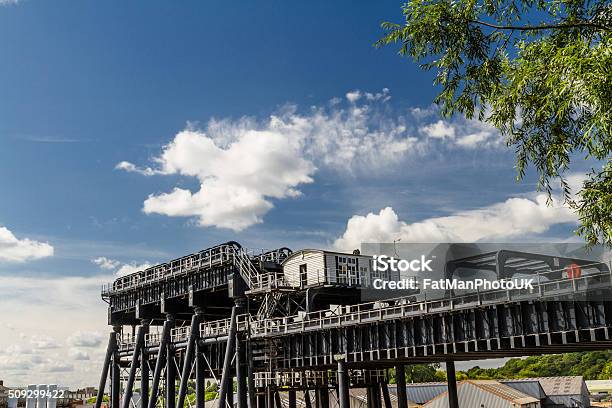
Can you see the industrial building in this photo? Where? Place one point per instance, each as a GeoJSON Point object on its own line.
{"type": "Point", "coordinates": [295, 322]}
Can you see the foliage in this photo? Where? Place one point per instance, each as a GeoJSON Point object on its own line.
{"type": "Point", "coordinates": [595, 365]}
{"type": "Point", "coordinates": [539, 71]}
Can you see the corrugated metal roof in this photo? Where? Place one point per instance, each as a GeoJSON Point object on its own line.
{"type": "Point", "coordinates": [488, 393]}
{"type": "Point", "coordinates": [527, 386]}
{"type": "Point", "coordinates": [561, 385]}
{"type": "Point", "coordinates": [423, 392]}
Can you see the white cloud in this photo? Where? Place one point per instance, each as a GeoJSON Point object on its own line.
{"type": "Point", "coordinates": [237, 180]}
{"type": "Point", "coordinates": [85, 339]}
{"type": "Point", "coordinates": [43, 342]}
{"type": "Point", "coordinates": [438, 130]}
{"type": "Point", "coordinates": [126, 269]}
{"type": "Point", "coordinates": [119, 268]}
{"type": "Point", "coordinates": [13, 249]}
{"type": "Point", "coordinates": [8, 2]}
{"type": "Point", "coordinates": [106, 263]}
{"type": "Point", "coordinates": [353, 96]}
{"type": "Point", "coordinates": [513, 217]}
{"type": "Point", "coordinates": [78, 355]}
{"type": "Point", "coordinates": [75, 303]}
{"type": "Point", "coordinates": [244, 165]}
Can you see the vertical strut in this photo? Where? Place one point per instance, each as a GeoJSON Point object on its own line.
{"type": "Point", "coordinates": [453, 400]}
{"type": "Point", "coordinates": [200, 376]}
{"type": "Point", "coordinates": [226, 375]}
{"type": "Point", "coordinates": [400, 381]}
{"type": "Point", "coordinates": [170, 369]}
{"type": "Point", "coordinates": [194, 335]}
{"type": "Point", "coordinates": [241, 377]}
{"type": "Point", "coordinates": [385, 392]}
{"type": "Point", "coordinates": [110, 349]}
{"type": "Point", "coordinates": [129, 388]}
{"type": "Point", "coordinates": [115, 374]}
{"type": "Point", "coordinates": [307, 400]}
{"type": "Point", "coordinates": [343, 385]}
{"type": "Point", "coordinates": [144, 372]}
{"type": "Point", "coordinates": [160, 362]}
{"type": "Point", "coordinates": [292, 399]}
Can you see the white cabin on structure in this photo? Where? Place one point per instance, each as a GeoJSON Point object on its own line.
{"type": "Point", "coordinates": [316, 267]}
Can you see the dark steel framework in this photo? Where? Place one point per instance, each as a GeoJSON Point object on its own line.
{"type": "Point", "coordinates": [226, 314]}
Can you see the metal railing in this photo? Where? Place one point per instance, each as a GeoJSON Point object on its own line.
{"type": "Point", "coordinates": [402, 307]}
{"type": "Point", "coordinates": [385, 309]}
{"type": "Point", "coordinates": [208, 258]}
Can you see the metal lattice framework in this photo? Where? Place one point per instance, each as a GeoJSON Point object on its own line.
{"type": "Point", "coordinates": [223, 314]}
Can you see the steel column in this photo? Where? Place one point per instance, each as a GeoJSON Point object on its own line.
{"type": "Point", "coordinates": [241, 375]}
{"type": "Point", "coordinates": [292, 399]}
{"type": "Point", "coordinates": [129, 388]}
{"type": "Point", "coordinates": [170, 370]}
{"type": "Point", "coordinates": [115, 374]}
{"type": "Point", "coordinates": [226, 375]}
{"type": "Point", "coordinates": [322, 398]}
{"type": "Point", "coordinates": [307, 400]}
{"type": "Point", "coordinates": [110, 349]}
{"type": "Point", "coordinates": [160, 362]}
{"type": "Point", "coordinates": [453, 400]}
{"type": "Point", "coordinates": [144, 372]}
{"type": "Point", "coordinates": [385, 393]}
{"type": "Point", "coordinates": [194, 335]}
{"type": "Point", "coordinates": [200, 382]}
{"type": "Point", "coordinates": [400, 381]}
{"type": "Point", "coordinates": [252, 399]}
{"type": "Point", "coordinates": [343, 385]}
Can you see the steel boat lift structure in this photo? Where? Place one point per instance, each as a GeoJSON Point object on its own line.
{"type": "Point", "coordinates": [224, 314]}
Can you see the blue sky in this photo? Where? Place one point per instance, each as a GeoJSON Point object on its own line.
{"type": "Point", "coordinates": [88, 85]}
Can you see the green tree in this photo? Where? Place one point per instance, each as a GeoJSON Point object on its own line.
{"type": "Point", "coordinates": [537, 70]}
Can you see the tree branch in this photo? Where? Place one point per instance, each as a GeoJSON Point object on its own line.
{"type": "Point", "coordinates": [543, 26]}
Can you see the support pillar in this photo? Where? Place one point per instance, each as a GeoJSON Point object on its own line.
{"type": "Point", "coordinates": [136, 354]}
{"type": "Point", "coordinates": [115, 374]}
{"type": "Point", "coordinates": [241, 373]}
{"type": "Point", "coordinates": [200, 383]}
{"type": "Point", "coordinates": [160, 362]}
{"type": "Point", "coordinates": [322, 398]}
{"type": "Point", "coordinates": [241, 368]}
{"type": "Point", "coordinates": [226, 376]}
{"type": "Point", "coordinates": [292, 399]}
{"type": "Point", "coordinates": [343, 385]}
{"type": "Point", "coordinates": [307, 400]}
{"type": "Point", "coordinates": [194, 335]}
{"type": "Point", "coordinates": [252, 402]}
{"type": "Point", "coordinates": [277, 398]}
{"type": "Point", "coordinates": [170, 370]}
{"type": "Point", "coordinates": [144, 371]}
{"type": "Point", "coordinates": [400, 381]}
{"type": "Point", "coordinates": [385, 393]}
{"type": "Point", "coordinates": [110, 350]}
{"type": "Point", "coordinates": [453, 400]}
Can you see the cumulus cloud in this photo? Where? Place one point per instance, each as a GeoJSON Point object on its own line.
{"type": "Point", "coordinates": [513, 217]}
{"type": "Point", "coordinates": [85, 339]}
{"type": "Point", "coordinates": [13, 249]}
{"type": "Point", "coordinates": [43, 342]}
{"type": "Point", "coordinates": [106, 263]}
{"type": "Point", "coordinates": [126, 269]}
{"type": "Point", "coordinates": [78, 355]}
{"type": "Point", "coordinates": [439, 130]}
{"type": "Point", "coordinates": [119, 268]}
{"type": "Point", "coordinates": [244, 165]}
